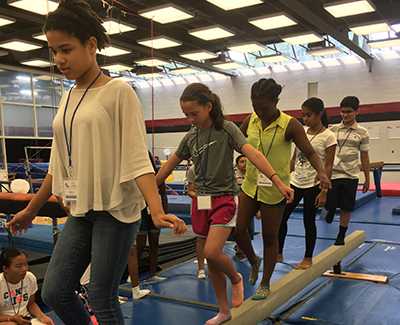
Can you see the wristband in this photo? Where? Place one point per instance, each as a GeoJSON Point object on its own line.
{"type": "Point", "coordinates": [274, 174]}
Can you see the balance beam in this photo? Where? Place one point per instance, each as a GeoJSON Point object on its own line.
{"type": "Point", "coordinates": [253, 312]}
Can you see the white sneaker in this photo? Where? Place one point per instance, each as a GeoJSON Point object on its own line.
{"type": "Point", "coordinates": [201, 274]}
{"type": "Point", "coordinates": [138, 293]}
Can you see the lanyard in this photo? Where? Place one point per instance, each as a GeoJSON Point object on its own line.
{"type": "Point", "coordinates": [9, 294]}
{"type": "Point", "coordinates": [313, 137]}
{"type": "Point", "coordinates": [69, 144]}
{"type": "Point", "coordinates": [301, 157]}
{"type": "Point", "coordinates": [345, 140]}
{"type": "Point", "coordinates": [203, 166]}
{"type": "Point", "coordinates": [271, 143]}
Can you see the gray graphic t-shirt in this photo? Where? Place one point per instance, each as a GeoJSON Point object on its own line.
{"type": "Point", "coordinates": [212, 153]}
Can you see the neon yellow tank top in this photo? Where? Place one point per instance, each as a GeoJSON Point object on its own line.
{"type": "Point", "coordinates": [277, 152]}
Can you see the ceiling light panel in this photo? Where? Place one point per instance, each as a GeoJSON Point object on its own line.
{"type": "Point", "coordinates": [199, 55]}
{"type": "Point", "coordinates": [152, 62]}
{"type": "Point", "coordinates": [247, 47]}
{"type": "Point", "coordinates": [116, 67]}
{"type": "Point", "coordinates": [20, 46]}
{"type": "Point", "coordinates": [41, 37]}
{"type": "Point", "coordinates": [234, 4]}
{"type": "Point", "coordinates": [272, 22]}
{"type": "Point", "coordinates": [112, 51]}
{"type": "Point", "coordinates": [186, 70]}
{"type": "Point", "coordinates": [383, 43]}
{"type": "Point", "coordinates": [41, 7]}
{"type": "Point", "coordinates": [6, 21]}
{"type": "Point", "coordinates": [38, 63]}
{"type": "Point", "coordinates": [160, 42]}
{"type": "Point", "coordinates": [166, 14]}
{"type": "Point", "coordinates": [349, 8]}
{"type": "Point", "coordinates": [211, 33]}
{"type": "Point", "coordinates": [113, 26]}
{"type": "Point", "coordinates": [330, 50]}
{"type": "Point", "coordinates": [370, 28]}
{"type": "Point", "coordinates": [302, 39]}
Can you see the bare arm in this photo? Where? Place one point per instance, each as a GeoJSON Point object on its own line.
{"type": "Point", "coordinates": [293, 160]}
{"type": "Point", "coordinates": [365, 168]}
{"type": "Point", "coordinates": [147, 185]}
{"type": "Point", "coordinates": [329, 158]}
{"type": "Point", "coordinates": [21, 221]}
{"type": "Point", "coordinates": [295, 132]}
{"type": "Point", "coordinates": [167, 168]}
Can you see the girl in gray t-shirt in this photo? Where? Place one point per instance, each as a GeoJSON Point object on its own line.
{"type": "Point", "coordinates": [210, 144]}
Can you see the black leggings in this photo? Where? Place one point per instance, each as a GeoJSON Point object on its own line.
{"type": "Point", "coordinates": [309, 212]}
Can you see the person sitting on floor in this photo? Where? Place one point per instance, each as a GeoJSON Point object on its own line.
{"type": "Point", "coordinates": [18, 287]}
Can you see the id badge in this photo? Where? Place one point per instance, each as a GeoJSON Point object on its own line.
{"type": "Point", "coordinates": [70, 190]}
{"type": "Point", "coordinates": [263, 180]}
{"type": "Point", "coordinates": [204, 202]}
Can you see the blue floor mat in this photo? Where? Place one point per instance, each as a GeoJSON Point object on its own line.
{"type": "Point", "coordinates": [358, 302]}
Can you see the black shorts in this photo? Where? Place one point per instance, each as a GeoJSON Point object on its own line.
{"type": "Point", "coordinates": [342, 195]}
{"type": "Point", "coordinates": [146, 224]}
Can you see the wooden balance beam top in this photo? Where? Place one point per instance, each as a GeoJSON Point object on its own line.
{"type": "Point", "coordinates": [253, 312]}
{"type": "Point", "coordinates": [11, 203]}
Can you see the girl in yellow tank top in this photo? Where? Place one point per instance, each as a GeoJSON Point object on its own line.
{"type": "Point", "coordinates": [272, 132]}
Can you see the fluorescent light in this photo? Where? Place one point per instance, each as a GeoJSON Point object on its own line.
{"type": "Point", "coordinates": [166, 82]}
{"type": "Point", "coordinates": [228, 65]}
{"type": "Point", "coordinates": [41, 37]}
{"type": "Point", "coordinates": [116, 67]}
{"type": "Point", "coordinates": [312, 64]}
{"type": "Point", "coordinates": [112, 51]}
{"type": "Point", "coordinates": [350, 59]}
{"type": "Point", "coordinates": [330, 62]}
{"type": "Point", "coordinates": [272, 58]}
{"type": "Point", "coordinates": [322, 51]}
{"type": "Point", "coordinates": [388, 55]}
{"type": "Point", "coordinates": [247, 47]}
{"type": "Point", "coordinates": [383, 43]}
{"type": "Point", "coordinates": [23, 78]}
{"type": "Point", "coordinates": [211, 33]}
{"type": "Point", "coordinates": [296, 66]}
{"type": "Point", "coordinates": [185, 70]}
{"type": "Point", "coordinates": [113, 26]}
{"type": "Point", "coordinates": [6, 21]}
{"type": "Point", "coordinates": [302, 39]}
{"type": "Point", "coordinates": [199, 55]}
{"type": "Point", "coordinates": [43, 77]}
{"type": "Point", "coordinates": [152, 62]}
{"type": "Point", "coordinates": [234, 4]}
{"type": "Point", "coordinates": [277, 68]}
{"type": "Point", "coordinates": [272, 21]}
{"type": "Point", "coordinates": [370, 28]}
{"type": "Point", "coordinates": [160, 42]}
{"type": "Point", "coordinates": [179, 81]}
{"type": "Point", "coordinates": [38, 63]}
{"type": "Point", "coordinates": [21, 46]}
{"type": "Point", "coordinates": [165, 14]}
{"type": "Point", "coordinates": [41, 7]}
{"type": "Point", "coordinates": [349, 8]}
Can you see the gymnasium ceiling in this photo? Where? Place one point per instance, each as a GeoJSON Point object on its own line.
{"type": "Point", "coordinates": [305, 17]}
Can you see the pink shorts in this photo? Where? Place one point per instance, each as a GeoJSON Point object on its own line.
{"type": "Point", "coordinates": [222, 213]}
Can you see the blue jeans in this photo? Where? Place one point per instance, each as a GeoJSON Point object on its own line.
{"type": "Point", "coordinates": [99, 239]}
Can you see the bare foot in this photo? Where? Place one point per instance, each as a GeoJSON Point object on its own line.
{"type": "Point", "coordinates": [304, 264]}
{"type": "Point", "coordinates": [279, 258]}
